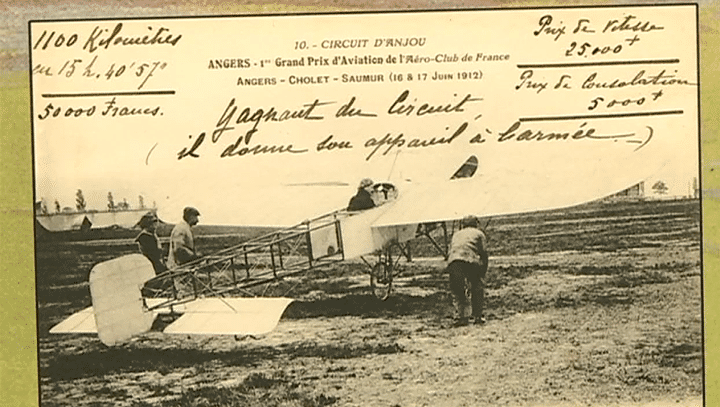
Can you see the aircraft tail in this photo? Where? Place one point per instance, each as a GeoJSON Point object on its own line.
{"type": "Point", "coordinates": [117, 301]}
{"type": "Point", "coordinates": [119, 311]}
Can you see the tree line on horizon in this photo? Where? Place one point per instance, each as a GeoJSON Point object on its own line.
{"type": "Point", "coordinates": [81, 205]}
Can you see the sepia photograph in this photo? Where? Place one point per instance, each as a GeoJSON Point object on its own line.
{"type": "Point", "coordinates": [281, 206]}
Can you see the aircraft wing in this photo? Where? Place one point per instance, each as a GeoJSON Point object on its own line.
{"type": "Point", "coordinates": [83, 322]}
{"type": "Point", "coordinates": [278, 206]}
{"type": "Point", "coordinates": [74, 221]}
{"type": "Point", "coordinates": [230, 316]}
{"type": "Point", "coordinates": [207, 316]}
{"type": "Point", "coordinates": [507, 190]}
{"type": "Point", "coordinates": [61, 222]}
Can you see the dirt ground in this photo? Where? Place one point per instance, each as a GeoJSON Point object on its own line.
{"type": "Point", "coordinates": [598, 305]}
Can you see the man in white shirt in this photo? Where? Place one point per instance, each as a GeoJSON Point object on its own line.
{"type": "Point", "coordinates": [182, 244]}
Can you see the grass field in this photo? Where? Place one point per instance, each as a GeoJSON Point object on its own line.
{"type": "Point", "coordinates": [599, 304]}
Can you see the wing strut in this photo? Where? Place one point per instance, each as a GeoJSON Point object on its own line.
{"type": "Point", "coordinates": [426, 228]}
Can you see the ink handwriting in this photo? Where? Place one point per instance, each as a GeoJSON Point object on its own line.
{"type": "Point", "coordinates": [111, 108]}
{"type": "Point", "coordinates": [400, 108]}
{"type": "Point", "coordinates": [104, 38]}
{"type": "Point", "coordinates": [398, 141]}
{"type": "Point", "coordinates": [583, 131]}
{"type": "Point", "coordinates": [260, 115]}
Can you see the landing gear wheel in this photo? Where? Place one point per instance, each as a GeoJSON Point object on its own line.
{"type": "Point", "coordinates": [381, 280]}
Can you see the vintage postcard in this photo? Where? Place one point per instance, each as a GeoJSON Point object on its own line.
{"type": "Point", "coordinates": [393, 208]}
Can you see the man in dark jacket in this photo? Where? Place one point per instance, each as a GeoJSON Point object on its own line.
{"type": "Point", "coordinates": [148, 242]}
{"type": "Point", "coordinates": [362, 199]}
{"type": "Point", "coordinates": [468, 261]}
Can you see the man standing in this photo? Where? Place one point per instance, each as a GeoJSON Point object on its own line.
{"type": "Point", "coordinates": [148, 242]}
{"type": "Point", "coordinates": [182, 244]}
{"type": "Point", "coordinates": [468, 261]}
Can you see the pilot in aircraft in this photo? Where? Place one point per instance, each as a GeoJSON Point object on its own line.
{"type": "Point", "coordinates": [182, 244]}
{"type": "Point", "coordinates": [148, 242]}
{"type": "Point", "coordinates": [468, 260]}
{"type": "Point", "coordinates": [363, 198]}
